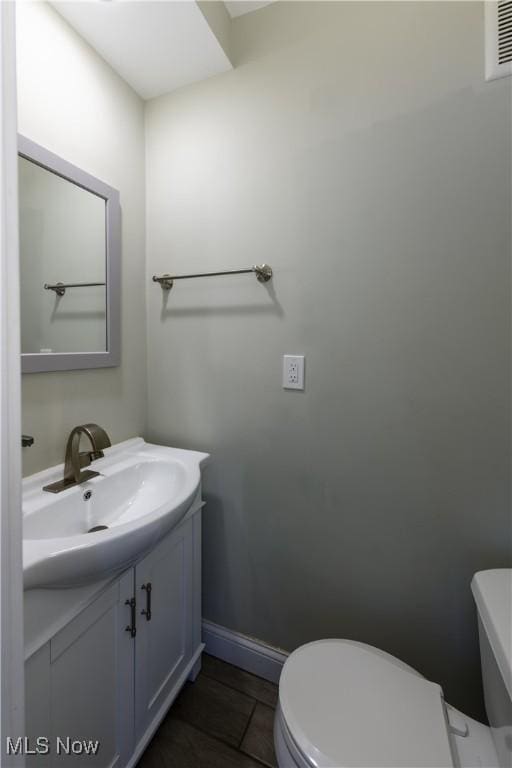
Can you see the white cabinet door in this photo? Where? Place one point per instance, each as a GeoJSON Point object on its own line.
{"type": "Point", "coordinates": [163, 586]}
{"type": "Point", "coordinates": [85, 676]}
{"type": "Point", "coordinates": [37, 704]}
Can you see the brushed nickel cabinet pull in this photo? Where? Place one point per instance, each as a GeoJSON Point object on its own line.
{"type": "Point", "coordinates": [131, 628]}
{"type": "Point", "coordinates": [147, 610]}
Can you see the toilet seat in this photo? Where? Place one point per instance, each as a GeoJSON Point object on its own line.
{"type": "Point", "coordinates": [343, 703]}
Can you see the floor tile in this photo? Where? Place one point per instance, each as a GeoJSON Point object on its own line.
{"type": "Point", "coordinates": [259, 737]}
{"type": "Point", "coordinates": [243, 681]}
{"type": "Point", "coordinates": [215, 709]}
{"type": "Point", "coordinates": [180, 745]}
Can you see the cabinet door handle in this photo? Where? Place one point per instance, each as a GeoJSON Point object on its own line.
{"type": "Point", "coordinates": [131, 628]}
{"type": "Point", "coordinates": [147, 611]}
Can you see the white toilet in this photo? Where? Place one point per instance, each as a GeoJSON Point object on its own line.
{"type": "Point", "coordinates": [344, 704]}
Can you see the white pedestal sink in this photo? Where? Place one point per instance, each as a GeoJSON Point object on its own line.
{"type": "Point", "coordinates": [143, 491]}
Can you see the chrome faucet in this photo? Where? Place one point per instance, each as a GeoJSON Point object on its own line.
{"type": "Point", "coordinates": [76, 459]}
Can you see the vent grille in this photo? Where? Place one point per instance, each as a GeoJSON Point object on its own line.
{"type": "Point", "coordinates": [498, 39]}
{"type": "Point", "coordinates": [504, 31]}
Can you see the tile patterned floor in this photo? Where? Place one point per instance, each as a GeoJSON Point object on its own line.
{"type": "Point", "coordinates": [223, 720]}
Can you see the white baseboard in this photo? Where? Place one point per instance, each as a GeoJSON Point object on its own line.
{"type": "Point", "coordinates": [245, 652]}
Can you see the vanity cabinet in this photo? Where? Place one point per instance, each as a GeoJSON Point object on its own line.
{"type": "Point", "coordinates": [111, 672]}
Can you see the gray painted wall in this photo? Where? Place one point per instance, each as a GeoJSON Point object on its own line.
{"type": "Point", "coordinates": [357, 149]}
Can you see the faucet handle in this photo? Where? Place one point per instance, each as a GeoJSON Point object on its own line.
{"type": "Point", "coordinates": [84, 458]}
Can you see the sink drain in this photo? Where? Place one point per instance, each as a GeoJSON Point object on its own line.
{"type": "Point", "coordinates": [98, 528]}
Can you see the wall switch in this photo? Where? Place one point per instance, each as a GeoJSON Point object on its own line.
{"type": "Point", "coordinates": [293, 372]}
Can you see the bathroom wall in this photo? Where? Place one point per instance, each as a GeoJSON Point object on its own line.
{"type": "Point", "coordinates": [72, 102]}
{"type": "Point", "coordinates": [357, 149]}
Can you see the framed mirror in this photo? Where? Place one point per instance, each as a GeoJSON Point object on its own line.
{"type": "Point", "coordinates": [70, 264]}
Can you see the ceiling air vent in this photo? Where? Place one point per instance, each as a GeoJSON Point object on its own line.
{"type": "Point", "coordinates": [498, 39]}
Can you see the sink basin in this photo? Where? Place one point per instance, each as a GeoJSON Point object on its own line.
{"type": "Point", "coordinates": [102, 526]}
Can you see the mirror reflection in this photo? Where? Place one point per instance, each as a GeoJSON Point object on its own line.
{"type": "Point", "coordinates": [63, 263]}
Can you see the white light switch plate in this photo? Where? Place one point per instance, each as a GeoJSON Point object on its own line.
{"type": "Point", "coordinates": [293, 371]}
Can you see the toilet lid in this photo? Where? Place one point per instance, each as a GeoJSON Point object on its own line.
{"type": "Point", "coordinates": [347, 704]}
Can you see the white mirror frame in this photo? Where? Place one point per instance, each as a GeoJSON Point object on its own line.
{"type": "Point", "coordinates": [68, 361]}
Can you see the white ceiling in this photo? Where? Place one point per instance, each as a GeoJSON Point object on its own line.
{"type": "Point", "coordinates": [239, 7]}
{"type": "Point", "coordinates": [155, 46]}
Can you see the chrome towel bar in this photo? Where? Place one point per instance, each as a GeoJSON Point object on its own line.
{"type": "Point", "coordinates": [60, 288]}
{"type": "Point", "coordinates": [262, 271]}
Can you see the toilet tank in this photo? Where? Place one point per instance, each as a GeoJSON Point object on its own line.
{"type": "Point", "coordinates": [492, 591]}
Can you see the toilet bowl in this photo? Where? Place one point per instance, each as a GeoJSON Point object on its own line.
{"type": "Point", "coordinates": [344, 703]}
